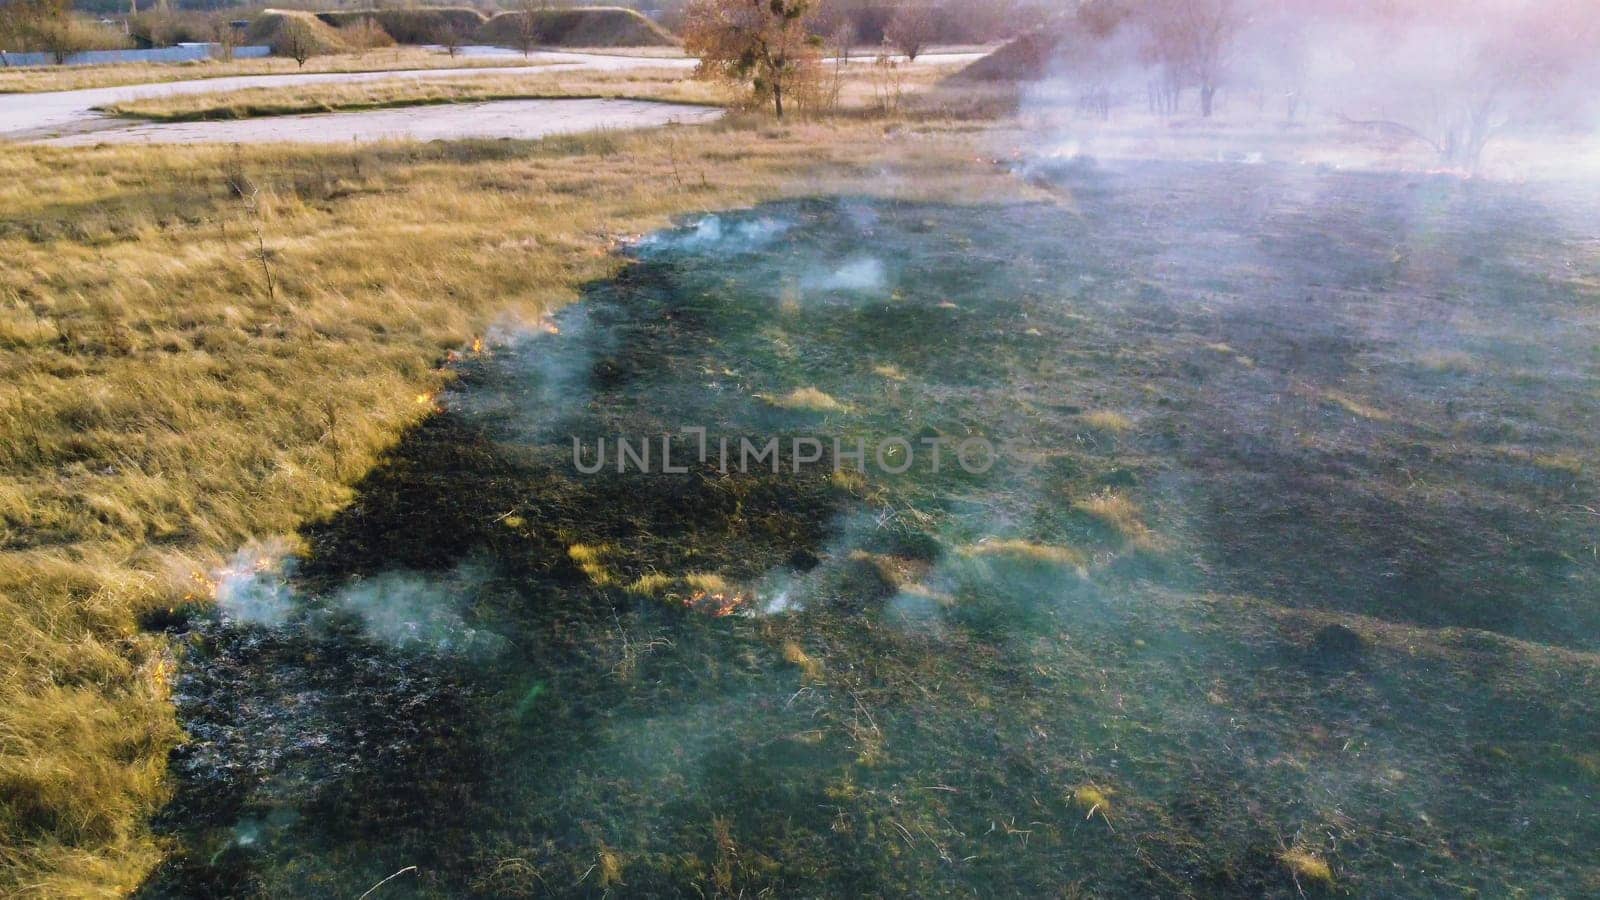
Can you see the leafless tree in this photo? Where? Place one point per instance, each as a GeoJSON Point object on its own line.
{"type": "Point", "coordinates": [224, 36]}
{"type": "Point", "coordinates": [1192, 42]}
{"type": "Point", "coordinates": [296, 42]}
{"type": "Point", "coordinates": [451, 38]}
{"type": "Point", "coordinates": [529, 14]}
{"type": "Point", "coordinates": [911, 29]}
{"type": "Point", "coordinates": [1529, 68]}
{"type": "Point", "coordinates": [46, 25]}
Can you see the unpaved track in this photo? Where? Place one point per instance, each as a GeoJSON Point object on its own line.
{"type": "Point", "coordinates": [69, 117]}
{"type": "Point", "coordinates": [524, 119]}
{"type": "Point", "coordinates": [47, 115]}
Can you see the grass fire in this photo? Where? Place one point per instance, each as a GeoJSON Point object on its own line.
{"type": "Point", "coordinates": [1120, 448]}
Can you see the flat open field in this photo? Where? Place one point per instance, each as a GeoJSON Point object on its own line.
{"type": "Point", "coordinates": [1265, 575]}
{"type": "Point", "coordinates": [1281, 579]}
{"type": "Point", "coordinates": [167, 398]}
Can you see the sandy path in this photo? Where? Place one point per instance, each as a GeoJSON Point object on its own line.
{"type": "Point", "coordinates": [497, 119]}
{"type": "Point", "coordinates": [45, 115]}
{"type": "Point", "coordinates": [64, 115]}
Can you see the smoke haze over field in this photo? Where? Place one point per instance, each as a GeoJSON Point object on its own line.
{"type": "Point", "coordinates": [402, 610]}
{"type": "Point", "coordinates": [1441, 83]}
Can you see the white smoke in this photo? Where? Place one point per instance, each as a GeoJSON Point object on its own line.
{"type": "Point", "coordinates": [404, 610]}
{"type": "Point", "coordinates": [253, 588]}
{"type": "Point", "coordinates": [411, 611]}
{"type": "Point", "coordinates": [1496, 87]}
{"type": "Point", "coordinates": [713, 233]}
{"type": "Point", "coordinates": [863, 275]}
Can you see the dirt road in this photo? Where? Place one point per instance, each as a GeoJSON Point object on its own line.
{"type": "Point", "coordinates": [70, 117]}
{"type": "Point", "coordinates": [525, 119]}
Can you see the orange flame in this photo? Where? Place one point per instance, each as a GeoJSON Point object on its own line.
{"type": "Point", "coordinates": [209, 587]}
{"type": "Point", "coordinates": [201, 587]}
{"type": "Point", "coordinates": [717, 606]}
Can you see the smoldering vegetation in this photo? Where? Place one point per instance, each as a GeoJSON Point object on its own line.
{"type": "Point", "coordinates": [1501, 87]}
{"type": "Point", "coordinates": [1285, 583]}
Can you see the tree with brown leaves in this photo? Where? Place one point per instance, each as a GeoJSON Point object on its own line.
{"type": "Point", "coordinates": [766, 43]}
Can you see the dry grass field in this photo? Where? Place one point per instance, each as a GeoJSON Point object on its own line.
{"type": "Point", "coordinates": [1284, 588]}
{"type": "Point", "coordinates": [208, 344]}
{"type": "Point", "coordinates": [1261, 600]}
{"type": "Point", "coordinates": [665, 85]}
{"type": "Point", "coordinates": [857, 88]}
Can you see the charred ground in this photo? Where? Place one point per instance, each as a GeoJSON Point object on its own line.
{"type": "Point", "coordinates": [1292, 560]}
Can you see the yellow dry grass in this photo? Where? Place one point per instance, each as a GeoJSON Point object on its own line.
{"type": "Point", "coordinates": [1091, 800]}
{"type": "Point", "coordinates": [651, 585]}
{"type": "Point", "coordinates": [1107, 420]}
{"type": "Point", "coordinates": [796, 656]}
{"type": "Point", "coordinates": [1307, 867]}
{"type": "Point", "coordinates": [652, 84]}
{"type": "Point", "coordinates": [1115, 511]}
{"type": "Point", "coordinates": [1028, 552]}
{"type": "Point", "coordinates": [162, 407]}
{"type": "Point", "coordinates": [808, 399]}
{"type": "Point", "coordinates": [592, 560]}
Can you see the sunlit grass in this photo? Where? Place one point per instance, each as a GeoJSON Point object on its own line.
{"type": "Point", "coordinates": [1028, 552]}
{"type": "Point", "coordinates": [1121, 515]}
{"type": "Point", "coordinates": [808, 399]}
{"type": "Point", "coordinates": [164, 404]}
{"type": "Point", "coordinates": [1307, 867]}
{"type": "Point", "coordinates": [1108, 421]}
{"type": "Point", "coordinates": [665, 85]}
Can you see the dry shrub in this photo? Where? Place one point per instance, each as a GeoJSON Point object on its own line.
{"type": "Point", "coordinates": [1108, 421]}
{"type": "Point", "coordinates": [1306, 866]}
{"type": "Point", "coordinates": [766, 45]}
{"type": "Point", "coordinates": [807, 399]}
{"type": "Point", "coordinates": [1115, 511]}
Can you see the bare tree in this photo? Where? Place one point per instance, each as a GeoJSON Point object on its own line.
{"type": "Point", "coordinates": [1530, 68]}
{"type": "Point", "coordinates": [888, 82]}
{"type": "Point", "coordinates": [911, 29]}
{"type": "Point", "coordinates": [224, 36]}
{"type": "Point", "coordinates": [296, 41]}
{"type": "Point", "coordinates": [46, 25]}
{"type": "Point", "coordinates": [766, 43]}
{"type": "Point", "coordinates": [840, 44]}
{"type": "Point", "coordinates": [61, 37]}
{"type": "Point", "coordinates": [529, 15]}
{"type": "Point", "coordinates": [1192, 42]}
{"type": "Point", "coordinates": [451, 38]}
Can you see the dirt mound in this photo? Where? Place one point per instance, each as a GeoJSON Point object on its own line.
{"type": "Point", "coordinates": [1025, 59]}
{"type": "Point", "coordinates": [279, 28]}
{"type": "Point", "coordinates": [600, 26]}
{"type": "Point", "coordinates": [412, 26]}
